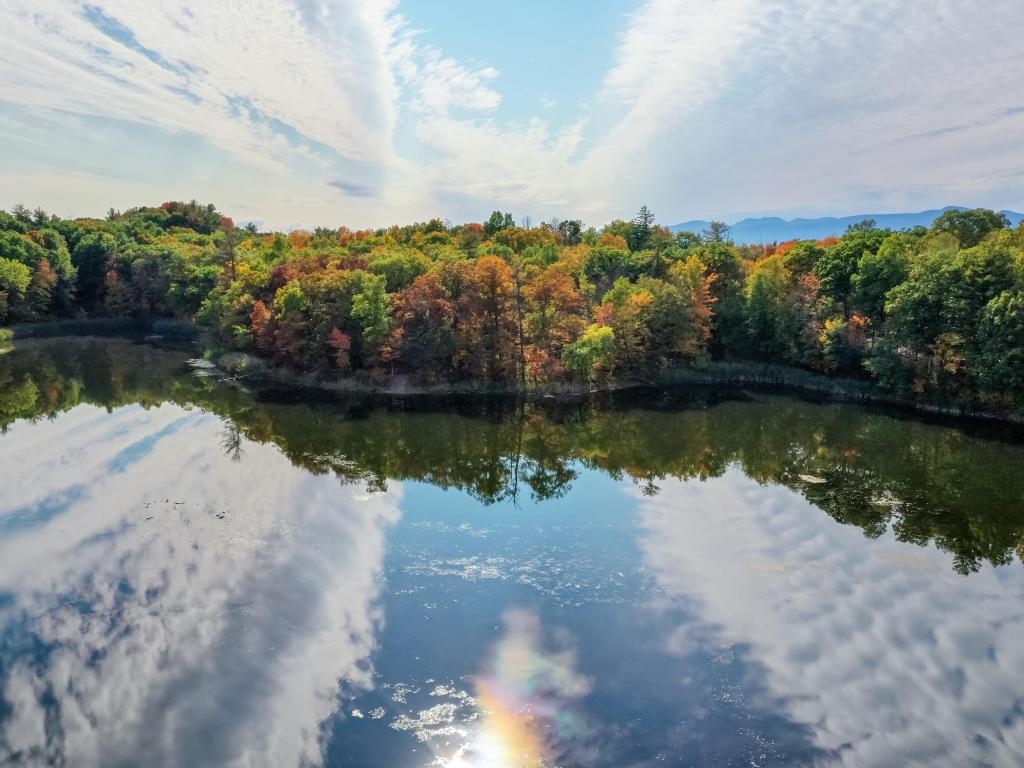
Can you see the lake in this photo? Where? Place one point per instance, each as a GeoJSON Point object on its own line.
{"type": "Point", "coordinates": [193, 573]}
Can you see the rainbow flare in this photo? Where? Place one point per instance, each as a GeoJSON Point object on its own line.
{"type": "Point", "coordinates": [527, 699]}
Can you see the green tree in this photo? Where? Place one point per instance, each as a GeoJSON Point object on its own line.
{"type": "Point", "coordinates": [1000, 363]}
{"type": "Point", "coordinates": [604, 265]}
{"type": "Point", "coordinates": [970, 227]}
{"type": "Point", "coordinates": [497, 222]}
{"type": "Point", "coordinates": [877, 274]}
{"type": "Point", "coordinates": [571, 231]}
{"type": "Point", "coordinates": [21, 248]}
{"type": "Point", "coordinates": [93, 257]}
{"type": "Point", "coordinates": [769, 322]}
{"type": "Point", "coordinates": [591, 353]}
{"type": "Point", "coordinates": [686, 239]}
{"type": "Point", "coordinates": [837, 266]}
{"type": "Point", "coordinates": [801, 258]}
{"type": "Point", "coordinates": [640, 233]}
{"type": "Point", "coordinates": [976, 276]}
{"type": "Point", "coordinates": [399, 268]}
{"type": "Point", "coordinates": [15, 278]}
{"type": "Point", "coordinates": [915, 308]}
{"type": "Point", "coordinates": [864, 225]}
{"type": "Point", "coordinates": [717, 232]}
{"type": "Point", "coordinates": [372, 308]}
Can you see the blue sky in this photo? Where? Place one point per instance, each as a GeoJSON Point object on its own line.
{"type": "Point", "coordinates": [298, 113]}
{"type": "Point", "coordinates": [551, 57]}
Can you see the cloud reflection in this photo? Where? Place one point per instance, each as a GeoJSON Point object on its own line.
{"type": "Point", "coordinates": [188, 608]}
{"type": "Point", "coordinates": [885, 654]}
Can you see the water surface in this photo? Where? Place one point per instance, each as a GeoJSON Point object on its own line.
{"type": "Point", "coordinates": [193, 574]}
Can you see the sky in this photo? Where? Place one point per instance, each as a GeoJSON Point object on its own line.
{"type": "Point", "coordinates": [303, 113]}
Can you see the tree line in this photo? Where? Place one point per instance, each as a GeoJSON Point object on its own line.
{"type": "Point", "coordinates": [926, 312]}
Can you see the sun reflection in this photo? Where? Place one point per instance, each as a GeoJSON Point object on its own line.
{"type": "Point", "coordinates": [526, 700]}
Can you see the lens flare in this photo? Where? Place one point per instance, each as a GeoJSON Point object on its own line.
{"type": "Point", "coordinates": [527, 699]}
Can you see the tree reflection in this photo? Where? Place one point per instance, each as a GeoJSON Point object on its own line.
{"type": "Point", "coordinates": [924, 483]}
{"type": "Point", "coordinates": [231, 441]}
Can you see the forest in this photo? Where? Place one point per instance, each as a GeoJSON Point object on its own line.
{"type": "Point", "coordinates": [933, 313]}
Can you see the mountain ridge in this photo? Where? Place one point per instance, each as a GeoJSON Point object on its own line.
{"type": "Point", "coordinates": [769, 229]}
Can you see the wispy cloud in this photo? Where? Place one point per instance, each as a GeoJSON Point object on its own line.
{"type": "Point", "coordinates": [707, 107]}
{"type": "Point", "coordinates": [188, 70]}
{"type": "Point", "coordinates": [168, 616]}
{"type": "Point", "coordinates": [353, 190]}
{"type": "Point", "coordinates": [765, 105]}
{"type": "Point", "coordinates": [812, 637]}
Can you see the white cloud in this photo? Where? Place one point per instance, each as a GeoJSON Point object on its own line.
{"type": "Point", "coordinates": [440, 83]}
{"type": "Point", "coordinates": [223, 602]}
{"type": "Point", "coordinates": [799, 105]}
{"type": "Point", "coordinates": [473, 155]}
{"type": "Point", "coordinates": [708, 107]}
{"type": "Point", "coordinates": [226, 71]}
{"type": "Point", "coordinates": [879, 648]}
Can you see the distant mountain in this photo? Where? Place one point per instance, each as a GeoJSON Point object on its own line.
{"type": "Point", "coordinates": [773, 229]}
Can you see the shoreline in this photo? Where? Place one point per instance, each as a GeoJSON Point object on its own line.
{"type": "Point", "coordinates": [244, 368]}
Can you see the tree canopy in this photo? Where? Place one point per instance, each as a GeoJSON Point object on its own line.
{"type": "Point", "coordinates": [926, 312]}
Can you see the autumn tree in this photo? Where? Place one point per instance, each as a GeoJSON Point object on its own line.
{"type": "Point", "coordinates": [341, 343]}
{"type": "Point", "coordinates": [553, 319]}
{"type": "Point", "coordinates": [39, 295]}
{"type": "Point", "coordinates": [423, 338]}
{"type": "Point", "coordinates": [289, 315]}
{"type": "Point", "coordinates": [488, 330]}
{"type": "Point", "coordinates": [116, 295]}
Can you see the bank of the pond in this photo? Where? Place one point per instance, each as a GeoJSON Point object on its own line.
{"type": "Point", "coordinates": [726, 374]}
{"type": "Point", "coordinates": [717, 374]}
{"type": "Point", "coordinates": [762, 376]}
{"type": "Point", "coordinates": [103, 326]}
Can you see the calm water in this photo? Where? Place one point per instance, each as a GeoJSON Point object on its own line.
{"type": "Point", "coordinates": [194, 575]}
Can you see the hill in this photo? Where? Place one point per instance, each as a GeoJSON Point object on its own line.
{"type": "Point", "coordinates": [771, 229]}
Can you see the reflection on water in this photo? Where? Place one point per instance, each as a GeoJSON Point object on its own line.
{"type": "Point", "coordinates": [197, 575]}
{"type": "Point", "coordinates": [166, 603]}
{"type": "Point", "coordinates": [878, 645]}
{"type": "Point", "coordinates": [527, 698]}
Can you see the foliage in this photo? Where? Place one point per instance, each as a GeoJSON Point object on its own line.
{"type": "Point", "coordinates": [970, 227]}
{"type": "Point", "coordinates": [591, 353]}
{"type": "Point", "coordinates": [927, 313]}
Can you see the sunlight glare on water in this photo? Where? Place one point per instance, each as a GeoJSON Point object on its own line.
{"type": "Point", "coordinates": [525, 701]}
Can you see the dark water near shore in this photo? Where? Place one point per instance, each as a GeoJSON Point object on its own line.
{"type": "Point", "coordinates": [192, 574]}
